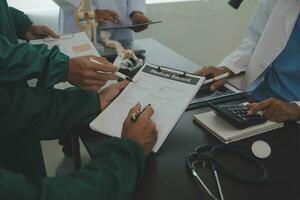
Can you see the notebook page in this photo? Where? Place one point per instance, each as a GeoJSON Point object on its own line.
{"type": "Point", "coordinates": [228, 133]}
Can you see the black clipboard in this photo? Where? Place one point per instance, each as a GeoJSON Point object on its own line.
{"type": "Point", "coordinates": [131, 26]}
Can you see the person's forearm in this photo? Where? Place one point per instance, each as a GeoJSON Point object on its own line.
{"type": "Point", "coordinates": [112, 175]}
{"type": "Point", "coordinates": [42, 113]}
{"type": "Point", "coordinates": [21, 22]}
{"type": "Point", "coordinates": [21, 62]}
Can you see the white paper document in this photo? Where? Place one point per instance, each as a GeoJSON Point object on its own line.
{"type": "Point", "coordinates": [168, 91]}
{"type": "Point", "coordinates": [73, 45]}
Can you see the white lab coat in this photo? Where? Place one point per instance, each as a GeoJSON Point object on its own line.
{"type": "Point", "coordinates": [266, 37]}
{"type": "Point", "coordinates": [123, 7]}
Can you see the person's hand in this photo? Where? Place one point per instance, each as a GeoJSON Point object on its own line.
{"type": "Point", "coordinates": [107, 15]}
{"type": "Point", "coordinates": [143, 131]}
{"type": "Point", "coordinates": [89, 75]}
{"type": "Point", "coordinates": [108, 94]}
{"type": "Point", "coordinates": [139, 18]}
{"type": "Point", "coordinates": [215, 71]}
{"type": "Point", "coordinates": [39, 32]}
{"type": "Point", "coordinates": [276, 110]}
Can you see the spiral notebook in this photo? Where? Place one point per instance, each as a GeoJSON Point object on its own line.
{"type": "Point", "coordinates": [227, 133]}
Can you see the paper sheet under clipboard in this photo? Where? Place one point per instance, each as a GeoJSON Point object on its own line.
{"type": "Point", "coordinates": [167, 90]}
{"type": "Point", "coordinates": [73, 45]}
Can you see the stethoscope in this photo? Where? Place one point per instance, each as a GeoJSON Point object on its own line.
{"type": "Point", "coordinates": [198, 157]}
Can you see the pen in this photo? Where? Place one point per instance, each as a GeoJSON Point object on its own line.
{"type": "Point", "coordinates": [216, 78]}
{"type": "Point", "coordinates": [135, 116]}
{"type": "Point", "coordinates": [118, 74]}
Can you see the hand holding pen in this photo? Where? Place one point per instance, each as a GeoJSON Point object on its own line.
{"type": "Point", "coordinates": [142, 130]}
{"type": "Point", "coordinates": [219, 75]}
{"type": "Point", "coordinates": [118, 74]}
{"type": "Point", "coordinates": [135, 115]}
{"type": "Point", "coordinates": [83, 73]}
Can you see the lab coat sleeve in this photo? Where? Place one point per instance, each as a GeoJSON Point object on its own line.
{"type": "Point", "coordinates": [297, 102]}
{"type": "Point", "coordinates": [21, 62]}
{"type": "Point", "coordinates": [240, 58]}
{"type": "Point", "coordinates": [136, 5]}
{"type": "Point", "coordinates": [21, 22]}
{"type": "Point", "coordinates": [41, 113]}
{"type": "Point", "coordinates": [112, 175]}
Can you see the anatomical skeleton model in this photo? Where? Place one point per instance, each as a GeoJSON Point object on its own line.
{"type": "Point", "coordinates": [126, 58]}
{"type": "Point", "coordinates": [85, 17]}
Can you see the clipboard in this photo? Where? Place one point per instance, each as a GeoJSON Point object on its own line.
{"type": "Point", "coordinates": [169, 91]}
{"type": "Point", "coordinates": [131, 26]}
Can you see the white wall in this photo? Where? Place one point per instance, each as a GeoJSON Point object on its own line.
{"type": "Point", "coordinates": [203, 30]}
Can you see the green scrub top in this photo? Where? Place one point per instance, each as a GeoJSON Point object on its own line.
{"type": "Point", "coordinates": [29, 115]}
{"type": "Point", "coordinates": [20, 62]}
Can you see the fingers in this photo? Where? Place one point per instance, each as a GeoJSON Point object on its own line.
{"type": "Point", "coordinates": [210, 70]}
{"type": "Point", "coordinates": [270, 113]}
{"type": "Point", "coordinates": [90, 74]}
{"type": "Point", "coordinates": [47, 31]}
{"type": "Point", "coordinates": [139, 29]}
{"type": "Point", "coordinates": [205, 71]}
{"type": "Point", "coordinates": [101, 60]}
{"type": "Point", "coordinates": [121, 85]}
{"type": "Point", "coordinates": [250, 105]}
{"type": "Point", "coordinates": [135, 109]}
{"type": "Point", "coordinates": [215, 85]}
{"type": "Point", "coordinates": [115, 17]}
{"type": "Point", "coordinates": [139, 18]}
{"type": "Point", "coordinates": [259, 106]}
{"type": "Point", "coordinates": [147, 114]}
{"type": "Point", "coordinates": [102, 65]}
{"type": "Point", "coordinates": [108, 15]}
{"type": "Point", "coordinates": [273, 110]}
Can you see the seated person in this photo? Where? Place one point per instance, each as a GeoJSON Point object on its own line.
{"type": "Point", "coordinates": [109, 12]}
{"type": "Point", "coordinates": [269, 57]}
{"type": "Point", "coordinates": [29, 115]}
{"type": "Point", "coordinates": [20, 62]}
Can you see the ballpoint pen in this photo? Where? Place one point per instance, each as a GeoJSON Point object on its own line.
{"type": "Point", "coordinates": [222, 76]}
{"type": "Point", "coordinates": [135, 116]}
{"type": "Point", "coordinates": [118, 74]}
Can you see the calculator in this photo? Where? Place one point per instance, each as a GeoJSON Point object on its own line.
{"type": "Point", "coordinates": [236, 115]}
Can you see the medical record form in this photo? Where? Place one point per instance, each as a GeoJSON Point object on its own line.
{"type": "Point", "coordinates": [167, 90]}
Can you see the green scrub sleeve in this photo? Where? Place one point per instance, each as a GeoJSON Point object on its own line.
{"type": "Point", "coordinates": [21, 22]}
{"type": "Point", "coordinates": [41, 113]}
{"type": "Point", "coordinates": [112, 175]}
{"type": "Point", "coordinates": [21, 62]}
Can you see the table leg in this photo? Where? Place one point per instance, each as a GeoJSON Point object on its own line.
{"type": "Point", "coordinates": [76, 151]}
